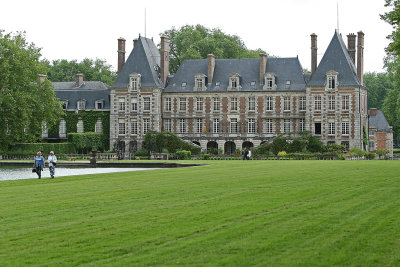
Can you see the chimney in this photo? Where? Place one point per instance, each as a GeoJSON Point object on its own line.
{"type": "Point", "coordinates": [351, 46]}
{"type": "Point", "coordinates": [211, 67]}
{"type": "Point", "coordinates": [78, 79]}
{"type": "Point", "coordinates": [314, 49]}
{"type": "Point", "coordinates": [372, 111]}
{"type": "Point", "coordinates": [134, 42]}
{"type": "Point", "coordinates": [164, 58]}
{"type": "Point", "coordinates": [42, 78]}
{"type": "Point", "coordinates": [263, 65]}
{"type": "Point", "coordinates": [360, 56]}
{"type": "Point", "coordinates": [121, 54]}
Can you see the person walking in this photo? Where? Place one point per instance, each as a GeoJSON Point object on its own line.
{"type": "Point", "coordinates": [52, 161]}
{"type": "Point", "coordinates": [39, 164]}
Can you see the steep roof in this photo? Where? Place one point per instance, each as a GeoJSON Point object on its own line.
{"type": "Point", "coordinates": [337, 58]}
{"type": "Point", "coordinates": [379, 122]}
{"type": "Point", "coordinates": [285, 69]}
{"type": "Point", "coordinates": [144, 60]}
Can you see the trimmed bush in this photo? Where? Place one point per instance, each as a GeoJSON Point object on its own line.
{"type": "Point", "coordinates": [183, 154]}
{"type": "Point", "coordinates": [86, 142]}
{"type": "Point", "coordinates": [142, 153]}
{"type": "Point", "coordinates": [33, 148]}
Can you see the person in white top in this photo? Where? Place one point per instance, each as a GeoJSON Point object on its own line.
{"type": "Point", "coordinates": [52, 160]}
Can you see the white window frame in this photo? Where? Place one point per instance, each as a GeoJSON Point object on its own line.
{"type": "Point", "coordinates": [331, 128]}
{"type": "Point", "coordinates": [286, 125]}
{"type": "Point", "coordinates": [146, 125]}
{"type": "Point", "coordinates": [134, 127]}
{"type": "Point", "coordinates": [81, 104]}
{"type": "Point", "coordinates": [318, 103]}
{"type": "Point", "coordinates": [182, 104]}
{"type": "Point", "coordinates": [134, 82]}
{"type": "Point", "coordinates": [216, 125]}
{"type": "Point", "coordinates": [199, 104]}
{"type": "Point", "coordinates": [199, 82]}
{"type": "Point", "coordinates": [302, 103]}
{"type": "Point", "coordinates": [234, 82]}
{"type": "Point", "coordinates": [269, 81]}
{"type": "Point", "coordinates": [251, 126]}
{"type": "Point", "coordinates": [269, 103]}
{"type": "Point", "coordinates": [199, 124]}
{"type": "Point", "coordinates": [345, 128]}
{"type": "Point", "coordinates": [168, 104]}
{"type": "Point", "coordinates": [331, 102]}
{"type": "Point", "coordinates": [121, 127]}
{"type": "Point", "coordinates": [216, 104]}
{"type": "Point", "coordinates": [167, 125]}
{"type": "Point", "coordinates": [252, 104]}
{"type": "Point", "coordinates": [233, 127]}
{"type": "Point", "coordinates": [286, 103]}
{"type": "Point", "coordinates": [302, 125]}
{"type": "Point", "coordinates": [121, 104]}
{"type": "Point", "coordinates": [97, 103]}
{"type": "Point", "coordinates": [269, 126]}
{"type": "Point", "coordinates": [182, 126]}
{"type": "Point", "coordinates": [346, 102]}
{"type": "Point", "coordinates": [234, 104]}
{"type": "Point", "coordinates": [147, 103]}
{"type": "Point", "coordinates": [134, 104]}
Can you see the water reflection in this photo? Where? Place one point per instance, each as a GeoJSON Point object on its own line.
{"type": "Point", "coordinates": [17, 173]}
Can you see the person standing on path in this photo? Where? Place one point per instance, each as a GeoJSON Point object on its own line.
{"type": "Point", "coordinates": [52, 161]}
{"type": "Point", "coordinates": [39, 164]}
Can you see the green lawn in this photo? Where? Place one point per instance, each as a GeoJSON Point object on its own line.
{"type": "Point", "coordinates": [233, 213]}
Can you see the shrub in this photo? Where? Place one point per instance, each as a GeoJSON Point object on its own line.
{"type": "Point", "coordinates": [371, 155]}
{"type": "Point", "coordinates": [86, 142]}
{"type": "Point", "coordinates": [183, 154]}
{"type": "Point", "coordinates": [33, 148]}
{"type": "Point", "coordinates": [357, 152]}
{"type": "Point", "coordinates": [263, 149]}
{"type": "Point", "coordinates": [279, 144]}
{"type": "Point", "coordinates": [206, 157]}
{"type": "Point", "coordinates": [157, 141]}
{"type": "Point", "coordinates": [282, 153]}
{"type": "Point", "coordinates": [142, 153]}
{"type": "Point", "coordinates": [314, 144]}
{"type": "Point", "coordinates": [296, 146]}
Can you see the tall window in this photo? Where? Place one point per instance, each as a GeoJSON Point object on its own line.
{"type": "Point", "coordinates": [345, 128]}
{"type": "Point", "coordinates": [331, 102]}
{"type": "Point", "coordinates": [79, 126]}
{"type": "Point", "coordinates": [168, 104]}
{"type": "Point", "coordinates": [251, 127]}
{"type": "Point", "coordinates": [331, 82]}
{"type": "Point", "coordinates": [99, 104]}
{"type": "Point", "coordinates": [302, 125]}
{"type": "Point", "coordinates": [167, 125]}
{"type": "Point", "coordinates": [199, 104]}
{"type": "Point", "coordinates": [302, 103]}
{"type": "Point", "coordinates": [269, 103]}
{"type": "Point", "coordinates": [268, 126]}
{"type": "Point", "coordinates": [182, 103]}
{"type": "Point", "coordinates": [121, 127]}
{"type": "Point", "coordinates": [146, 103]}
{"type": "Point", "coordinates": [121, 104]}
{"type": "Point", "coordinates": [63, 128]}
{"type": "Point", "coordinates": [269, 82]}
{"type": "Point", "coordinates": [252, 104]}
{"type": "Point", "coordinates": [331, 128]}
{"type": "Point", "coordinates": [134, 84]}
{"type": "Point", "coordinates": [134, 128]}
{"type": "Point", "coordinates": [199, 82]}
{"type": "Point", "coordinates": [216, 128]}
{"type": "Point", "coordinates": [98, 127]}
{"type": "Point", "coordinates": [182, 126]}
{"type": "Point", "coordinates": [81, 105]}
{"type": "Point", "coordinates": [234, 125]}
{"type": "Point", "coordinates": [134, 105]}
{"type": "Point", "coordinates": [199, 124]}
{"type": "Point", "coordinates": [286, 103]}
{"type": "Point", "coordinates": [234, 103]}
{"type": "Point", "coordinates": [146, 125]}
{"type": "Point", "coordinates": [317, 102]}
{"type": "Point", "coordinates": [345, 102]}
{"type": "Point", "coordinates": [286, 125]}
{"type": "Point", "coordinates": [217, 103]}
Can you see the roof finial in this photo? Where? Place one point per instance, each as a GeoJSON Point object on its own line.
{"type": "Point", "coordinates": [145, 23]}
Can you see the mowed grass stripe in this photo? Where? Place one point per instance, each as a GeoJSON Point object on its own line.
{"type": "Point", "coordinates": [230, 213]}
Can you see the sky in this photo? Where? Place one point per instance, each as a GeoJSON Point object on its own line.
{"type": "Point", "coordinates": [78, 29]}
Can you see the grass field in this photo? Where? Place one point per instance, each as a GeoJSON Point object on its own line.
{"type": "Point", "coordinates": [233, 213]}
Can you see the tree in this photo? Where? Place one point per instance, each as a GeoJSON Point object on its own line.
{"type": "Point", "coordinates": [378, 84]}
{"type": "Point", "coordinates": [62, 70]}
{"type": "Point", "coordinates": [391, 110]}
{"type": "Point", "coordinates": [196, 42]}
{"type": "Point", "coordinates": [25, 100]}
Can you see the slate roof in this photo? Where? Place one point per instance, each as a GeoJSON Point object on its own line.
{"type": "Point", "coordinates": [144, 60]}
{"type": "Point", "coordinates": [379, 122]}
{"type": "Point", "coordinates": [90, 91]}
{"type": "Point", "coordinates": [285, 69]}
{"type": "Point", "coordinates": [336, 58]}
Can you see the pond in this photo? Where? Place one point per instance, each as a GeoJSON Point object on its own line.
{"type": "Point", "coordinates": [18, 173]}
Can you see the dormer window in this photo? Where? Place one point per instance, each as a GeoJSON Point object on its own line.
{"type": "Point", "coordinates": [234, 82]}
{"type": "Point", "coordinates": [269, 81]}
{"type": "Point", "coordinates": [331, 79]}
{"type": "Point", "coordinates": [199, 82]}
{"type": "Point", "coordinates": [134, 81]}
{"type": "Point", "coordinates": [64, 104]}
{"type": "Point", "coordinates": [81, 105]}
{"type": "Point", "coordinates": [287, 84]}
{"type": "Point", "coordinates": [183, 84]}
{"type": "Point", "coordinates": [99, 104]}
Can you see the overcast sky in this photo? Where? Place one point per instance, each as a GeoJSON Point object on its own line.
{"type": "Point", "coordinates": [76, 29]}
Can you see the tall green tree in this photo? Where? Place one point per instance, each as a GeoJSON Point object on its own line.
{"type": "Point", "coordinates": [378, 84]}
{"type": "Point", "coordinates": [25, 100]}
{"type": "Point", "coordinates": [62, 70]}
{"type": "Point", "coordinates": [196, 42]}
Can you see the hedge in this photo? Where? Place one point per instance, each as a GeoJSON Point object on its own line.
{"type": "Point", "coordinates": [86, 142]}
{"type": "Point", "coordinates": [33, 148]}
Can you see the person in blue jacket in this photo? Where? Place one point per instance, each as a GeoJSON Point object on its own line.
{"type": "Point", "coordinates": [39, 164]}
